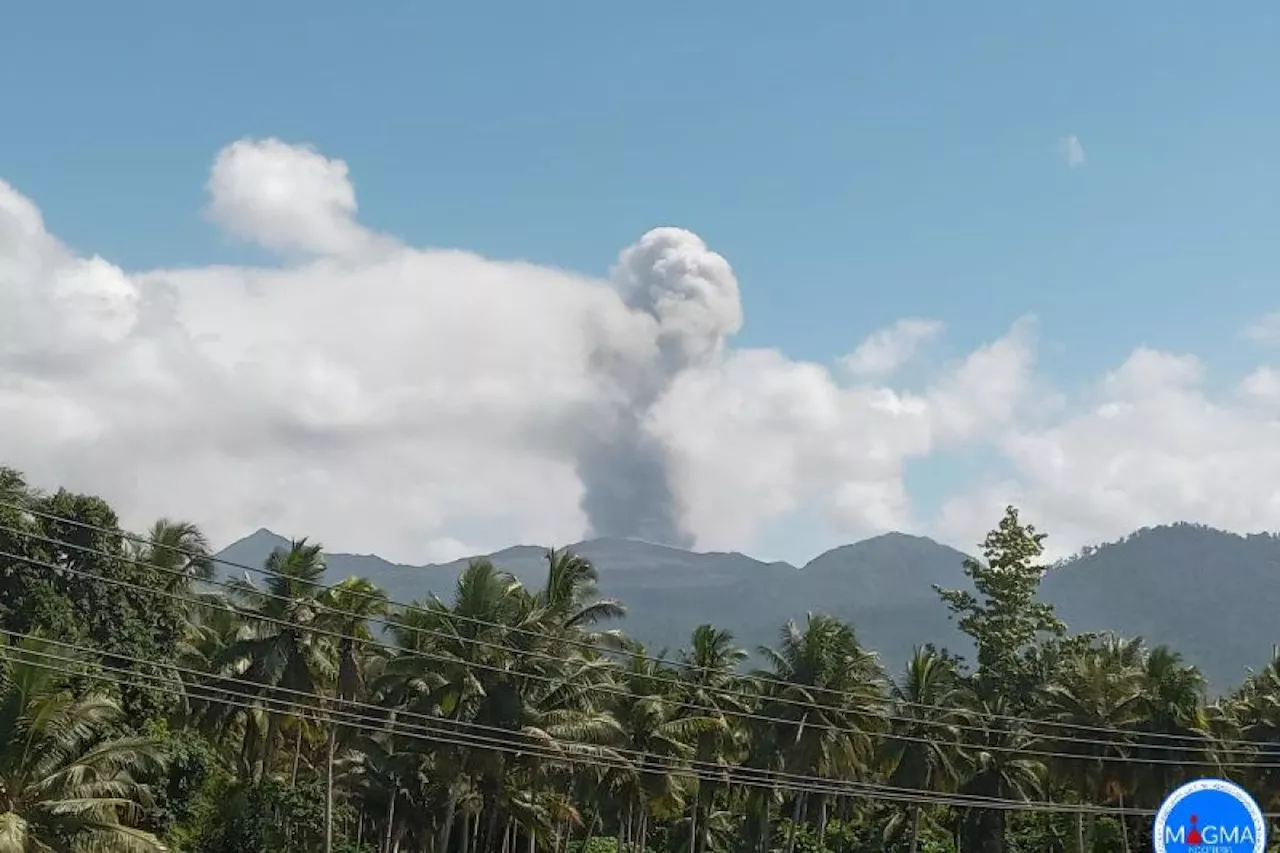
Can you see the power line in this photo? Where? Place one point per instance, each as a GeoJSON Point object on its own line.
{"type": "Point", "coordinates": [573, 642]}
{"type": "Point", "coordinates": [728, 692]}
{"type": "Point", "coordinates": [621, 691]}
{"type": "Point", "coordinates": [1127, 742]}
{"type": "Point", "coordinates": [389, 722]}
{"type": "Point", "coordinates": [1194, 743]}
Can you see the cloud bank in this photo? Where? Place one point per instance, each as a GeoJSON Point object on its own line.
{"type": "Point", "coordinates": [428, 403]}
{"type": "Point", "coordinates": [1071, 150]}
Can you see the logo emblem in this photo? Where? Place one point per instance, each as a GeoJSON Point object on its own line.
{"type": "Point", "coordinates": [1210, 816]}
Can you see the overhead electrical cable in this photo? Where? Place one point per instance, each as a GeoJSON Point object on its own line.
{"type": "Point", "coordinates": [457, 733]}
{"type": "Point", "coordinates": [621, 691]}
{"type": "Point", "coordinates": [1120, 736]}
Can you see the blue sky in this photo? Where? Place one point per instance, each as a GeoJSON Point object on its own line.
{"type": "Point", "coordinates": [880, 160]}
{"type": "Point", "coordinates": [856, 162]}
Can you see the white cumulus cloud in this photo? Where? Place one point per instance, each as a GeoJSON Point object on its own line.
{"type": "Point", "coordinates": [1149, 445]}
{"type": "Point", "coordinates": [1263, 385]}
{"type": "Point", "coordinates": [1264, 330]}
{"type": "Point", "coordinates": [288, 198]}
{"type": "Point", "coordinates": [424, 403]}
{"type": "Point", "coordinates": [1071, 150]}
{"type": "Point", "coordinates": [885, 350]}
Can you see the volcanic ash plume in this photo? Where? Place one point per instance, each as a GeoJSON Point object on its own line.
{"type": "Point", "coordinates": [686, 299]}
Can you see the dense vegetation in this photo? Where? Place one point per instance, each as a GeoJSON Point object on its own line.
{"type": "Point", "coordinates": [146, 704]}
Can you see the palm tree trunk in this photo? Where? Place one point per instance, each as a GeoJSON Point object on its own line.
{"type": "Point", "coordinates": [328, 788]}
{"type": "Point", "coordinates": [297, 755]}
{"type": "Point", "coordinates": [623, 826]}
{"type": "Point", "coordinates": [637, 823]}
{"type": "Point", "coordinates": [693, 826]}
{"type": "Point", "coordinates": [762, 827]}
{"type": "Point", "coordinates": [391, 817]}
{"type": "Point", "coordinates": [796, 810]}
{"type": "Point", "coordinates": [491, 825]}
{"type": "Point", "coordinates": [450, 814]}
{"type": "Point", "coordinates": [269, 748]}
{"type": "Point", "coordinates": [1124, 825]}
{"type": "Point", "coordinates": [465, 846]}
{"type": "Point", "coordinates": [634, 829]}
{"type": "Point", "coordinates": [822, 819]}
{"type": "Point", "coordinates": [702, 809]}
{"type": "Point", "coordinates": [915, 829]}
{"type": "Point", "coordinates": [591, 832]}
{"type": "Point", "coordinates": [246, 747]}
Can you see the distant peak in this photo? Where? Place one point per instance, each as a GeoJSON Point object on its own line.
{"type": "Point", "coordinates": [893, 537]}
{"type": "Point", "coordinates": [897, 536]}
{"type": "Point", "coordinates": [262, 537]}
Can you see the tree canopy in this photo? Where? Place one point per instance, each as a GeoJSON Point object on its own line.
{"type": "Point", "coordinates": [148, 702]}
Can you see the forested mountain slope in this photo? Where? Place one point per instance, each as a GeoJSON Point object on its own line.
{"type": "Point", "coordinates": [1211, 594]}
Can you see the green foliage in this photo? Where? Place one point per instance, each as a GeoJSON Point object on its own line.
{"type": "Point", "coordinates": [265, 817]}
{"type": "Point", "coordinates": [246, 745]}
{"type": "Point", "coordinates": [193, 778]}
{"type": "Point", "coordinates": [866, 834]}
{"type": "Point", "coordinates": [82, 583]}
{"type": "Point", "coordinates": [66, 773]}
{"type": "Point", "coordinates": [1004, 618]}
{"type": "Point", "coordinates": [595, 845]}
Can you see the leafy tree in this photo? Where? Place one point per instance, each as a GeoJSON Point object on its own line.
{"type": "Point", "coordinates": [268, 816]}
{"type": "Point", "coordinates": [1004, 618]}
{"type": "Point", "coordinates": [1008, 626]}
{"type": "Point", "coordinates": [67, 781]}
{"type": "Point", "coordinates": [511, 720]}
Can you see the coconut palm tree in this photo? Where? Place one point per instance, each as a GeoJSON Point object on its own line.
{"type": "Point", "coordinates": [828, 693]}
{"type": "Point", "coordinates": [284, 653]}
{"type": "Point", "coordinates": [709, 687]}
{"type": "Point", "coordinates": [571, 599]}
{"type": "Point", "coordinates": [998, 767]}
{"type": "Point", "coordinates": [1173, 719]}
{"type": "Point", "coordinates": [66, 781]}
{"type": "Point", "coordinates": [345, 611]}
{"type": "Point", "coordinates": [658, 739]}
{"type": "Point", "coordinates": [212, 627]}
{"type": "Point", "coordinates": [932, 707]}
{"type": "Point", "coordinates": [1253, 713]}
{"type": "Point", "coordinates": [179, 550]}
{"type": "Point", "coordinates": [1100, 689]}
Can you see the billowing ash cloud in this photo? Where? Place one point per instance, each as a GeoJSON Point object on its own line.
{"type": "Point", "coordinates": [686, 297]}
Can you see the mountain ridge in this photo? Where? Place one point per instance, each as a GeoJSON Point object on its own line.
{"type": "Point", "coordinates": [1142, 584]}
{"type": "Point", "coordinates": [267, 533]}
